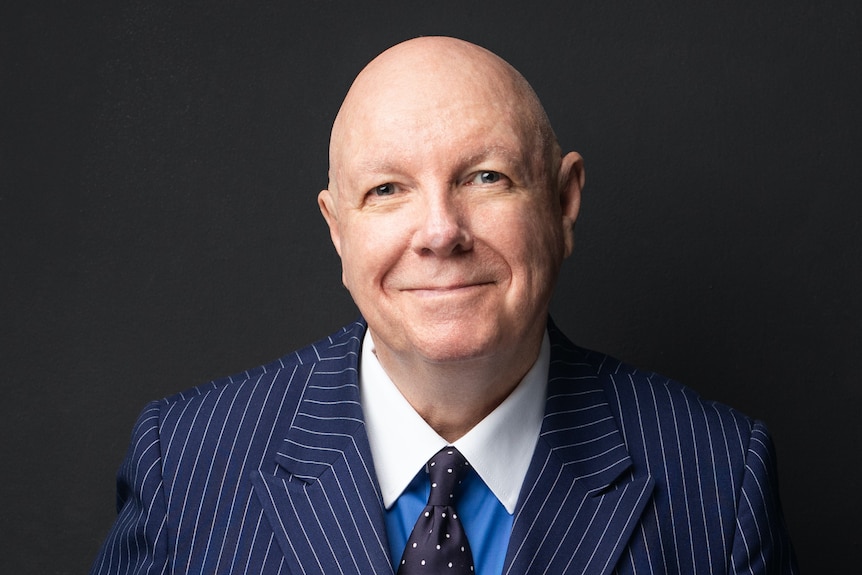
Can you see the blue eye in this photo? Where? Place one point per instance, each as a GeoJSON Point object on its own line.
{"type": "Point", "coordinates": [487, 177]}
{"type": "Point", "coordinates": [383, 190]}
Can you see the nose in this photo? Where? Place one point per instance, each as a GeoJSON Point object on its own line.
{"type": "Point", "coordinates": [443, 229]}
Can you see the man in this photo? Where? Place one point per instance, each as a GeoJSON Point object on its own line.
{"type": "Point", "coordinates": [452, 209]}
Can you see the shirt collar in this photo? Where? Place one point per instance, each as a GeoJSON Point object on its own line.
{"type": "Point", "coordinates": [499, 447]}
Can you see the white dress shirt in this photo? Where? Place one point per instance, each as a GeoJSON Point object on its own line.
{"type": "Point", "coordinates": [499, 447]}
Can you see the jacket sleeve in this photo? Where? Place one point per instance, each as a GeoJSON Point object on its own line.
{"type": "Point", "coordinates": [137, 543]}
{"type": "Point", "coordinates": [761, 543]}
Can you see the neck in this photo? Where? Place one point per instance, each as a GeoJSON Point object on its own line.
{"type": "Point", "coordinates": [453, 397]}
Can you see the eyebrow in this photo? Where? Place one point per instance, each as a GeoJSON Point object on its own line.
{"type": "Point", "coordinates": [490, 152]}
{"type": "Point", "coordinates": [375, 166]}
{"type": "Point", "coordinates": [520, 164]}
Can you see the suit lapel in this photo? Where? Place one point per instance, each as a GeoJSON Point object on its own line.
{"type": "Point", "coordinates": [323, 501]}
{"type": "Point", "coordinates": [580, 500]}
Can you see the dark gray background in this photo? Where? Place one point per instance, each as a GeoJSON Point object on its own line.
{"type": "Point", "coordinates": [160, 165]}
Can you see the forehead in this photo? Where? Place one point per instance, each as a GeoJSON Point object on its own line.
{"type": "Point", "coordinates": [423, 126]}
{"type": "Point", "coordinates": [400, 125]}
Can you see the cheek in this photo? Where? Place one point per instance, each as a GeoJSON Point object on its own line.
{"type": "Point", "coordinates": [527, 235]}
{"type": "Point", "coordinates": [369, 248]}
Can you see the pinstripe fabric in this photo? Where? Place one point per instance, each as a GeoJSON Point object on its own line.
{"type": "Point", "coordinates": [270, 472]}
{"type": "Point", "coordinates": [613, 436]}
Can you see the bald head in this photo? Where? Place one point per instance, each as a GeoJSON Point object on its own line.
{"type": "Point", "coordinates": [433, 76]}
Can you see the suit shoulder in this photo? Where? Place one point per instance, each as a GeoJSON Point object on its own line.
{"type": "Point", "coordinates": [670, 397]}
{"type": "Point", "coordinates": [664, 423]}
{"type": "Point", "coordinates": [320, 356]}
{"type": "Point", "coordinates": [638, 394]}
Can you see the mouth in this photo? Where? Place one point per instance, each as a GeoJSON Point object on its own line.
{"type": "Point", "coordinates": [447, 289]}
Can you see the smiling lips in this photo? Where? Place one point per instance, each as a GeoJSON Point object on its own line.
{"type": "Point", "coordinates": [447, 288]}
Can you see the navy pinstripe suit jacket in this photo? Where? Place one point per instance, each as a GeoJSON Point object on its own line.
{"type": "Point", "coordinates": [270, 472]}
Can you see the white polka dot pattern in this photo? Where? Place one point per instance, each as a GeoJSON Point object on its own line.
{"type": "Point", "coordinates": [438, 543]}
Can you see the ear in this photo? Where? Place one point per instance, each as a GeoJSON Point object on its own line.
{"type": "Point", "coordinates": [571, 182]}
{"type": "Point", "coordinates": [326, 202]}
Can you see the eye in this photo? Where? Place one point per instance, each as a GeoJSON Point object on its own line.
{"type": "Point", "coordinates": [486, 177]}
{"type": "Point", "coordinates": [383, 190]}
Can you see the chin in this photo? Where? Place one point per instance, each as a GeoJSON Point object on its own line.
{"type": "Point", "coordinates": [454, 346]}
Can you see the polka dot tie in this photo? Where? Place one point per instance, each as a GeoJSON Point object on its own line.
{"type": "Point", "coordinates": [438, 544]}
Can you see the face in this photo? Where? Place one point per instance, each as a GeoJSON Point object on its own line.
{"type": "Point", "coordinates": [450, 221]}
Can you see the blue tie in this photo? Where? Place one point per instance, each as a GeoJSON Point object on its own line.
{"type": "Point", "coordinates": [438, 544]}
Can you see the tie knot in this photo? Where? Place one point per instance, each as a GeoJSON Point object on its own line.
{"type": "Point", "coordinates": [446, 469]}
